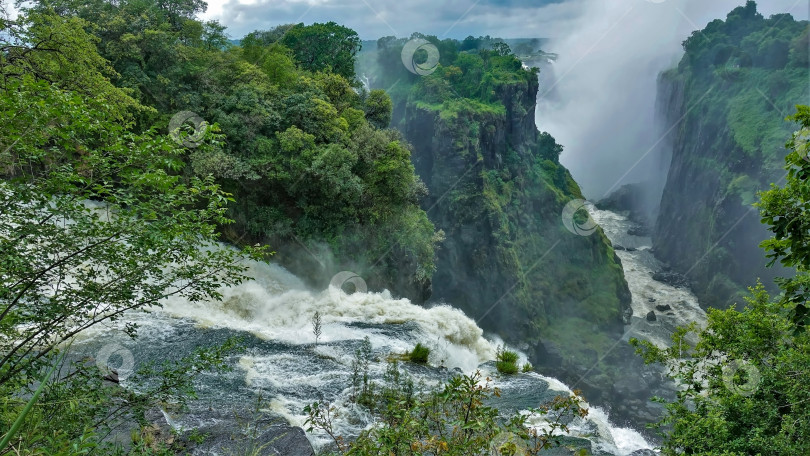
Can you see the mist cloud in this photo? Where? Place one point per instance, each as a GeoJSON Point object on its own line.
{"type": "Point", "coordinates": [606, 84]}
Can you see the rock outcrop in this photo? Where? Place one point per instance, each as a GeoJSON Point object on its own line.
{"type": "Point", "coordinates": [498, 192]}
{"type": "Point", "coordinates": [727, 101]}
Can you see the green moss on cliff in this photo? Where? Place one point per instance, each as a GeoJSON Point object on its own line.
{"type": "Point", "coordinates": [498, 191]}
{"type": "Point", "coordinates": [739, 79]}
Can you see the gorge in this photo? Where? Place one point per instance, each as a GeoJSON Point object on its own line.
{"type": "Point", "coordinates": [303, 243]}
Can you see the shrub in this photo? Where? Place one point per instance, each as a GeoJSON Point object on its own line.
{"type": "Point", "coordinates": [506, 361]}
{"type": "Point", "coordinates": [419, 354]}
{"type": "Point", "coordinates": [527, 367]}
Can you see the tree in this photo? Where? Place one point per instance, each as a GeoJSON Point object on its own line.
{"type": "Point", "coordinates": [96, 222]}
{"type": "Point", "coordinates": [743, 383]}
{"type": "Point", "coordinates": [454, 420]}
{"type": "Point", "coordinates": [379, 108]}
{"type": "Point", "coordinates": [502, 49]}
{"type": "Point", "coordinates": [784, 211]}
{"type": "Point", "coordinates": [51, 48]}
{"type": "Point", "coordinates": [319, 47]}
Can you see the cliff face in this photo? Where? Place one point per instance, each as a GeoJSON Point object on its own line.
{"type": "Point", "coordinates": [728, 98]}
{"type": "Point", "coordinates": [498, 192]}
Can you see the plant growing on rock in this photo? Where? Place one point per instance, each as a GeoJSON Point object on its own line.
{"type": "Point", "coordinates": [419, 354]}
{"type": "Point", "coordinates": [453, 420]}
{"type": "Point", "coordinates": [506, 361]}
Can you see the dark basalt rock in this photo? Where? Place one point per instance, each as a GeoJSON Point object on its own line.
{"type": "Point", "coordinates": [651, 316]}
{"type": "Point", "coordinates": [663, 307]}
{"type": "Point", "coordinates": [640, 230]}
{"type": "Point", "coordinates": [671, 278]}
{"type": "Point", "coordinates": [269, 436]}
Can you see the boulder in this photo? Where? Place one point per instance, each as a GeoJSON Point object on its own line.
{"type": "Point", "coordinates": [651, 316]}
{"type": "Point", "coordinates": [663, 307]}
{"type": "Point", "coordinates": [671, 278]}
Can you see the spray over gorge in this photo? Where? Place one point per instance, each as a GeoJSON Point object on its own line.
{"type": "Point", "coordinates": [487, 228]}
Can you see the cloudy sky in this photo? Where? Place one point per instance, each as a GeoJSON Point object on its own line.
{"type": "Point", "coordinates": [459, 18]}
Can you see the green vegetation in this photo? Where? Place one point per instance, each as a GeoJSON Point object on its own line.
{"type": "Point", "coordinates": [96, 222]}
{"type": "Point", "coordinates": [500, 192]}
{"type": "Point", "coordinates": [467, 79]}
{"type": "Point", "coordinates": [744, 382]}
{"type": "Point", "coordinates": [783, 210]}
{"type": "Point", "coordinates": [451, 420]}
{"type": "Point", "coordinates": [104, 213]}
{"type": "Point", "coordinates": [305, 155]}
{"type": "Point", "coordinates": [740, 78]}
{"type": "Point", "coordinates": [419, 354]}
{"type": "Point", "coordinates": [506, 361]}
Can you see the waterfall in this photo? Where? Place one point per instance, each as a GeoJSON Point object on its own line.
{"type": "Point", "coordinates": [281, 363]}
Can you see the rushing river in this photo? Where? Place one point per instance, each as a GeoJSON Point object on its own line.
{"type": "Point", "coordinates": [672, 306]}
{"type": "Point", "coordinates": [283, 366]}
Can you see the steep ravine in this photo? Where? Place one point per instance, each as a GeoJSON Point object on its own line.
{"type": "Point", "coordinates": [498, 192]}
{"type": "Point", "coordinates": [727, 101]}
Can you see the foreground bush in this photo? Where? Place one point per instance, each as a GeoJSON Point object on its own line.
{"type": "Point", "coordinates": [453, 420]}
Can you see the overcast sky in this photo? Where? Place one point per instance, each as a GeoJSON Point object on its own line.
{"type": "Point", "coordinates": [458, 18]}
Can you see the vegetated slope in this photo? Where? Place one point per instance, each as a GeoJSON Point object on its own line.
{"type": "Point", "coordinates": [729, 97]}
{"type": "Point", "coordinates": [313, 170]}
{"type": "Point", "coordinates": [498, 192]}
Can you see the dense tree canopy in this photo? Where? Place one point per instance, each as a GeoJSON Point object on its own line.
{"type": "Point", "coordinates": [744, 382]}
{"type": "Point", "coordinates": [98, 201]}
{"type": "Point", "coordinates": [291, 82]}
{"type": "Point", "coordinates": [319, 47]}
{"type": "Point", "coordinates": [97, 220]}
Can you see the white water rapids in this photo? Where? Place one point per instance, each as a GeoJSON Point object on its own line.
{"type": "Point", "coordinates": [649, 295]}
{"type": "Point", "coordinates": [275, 308]}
